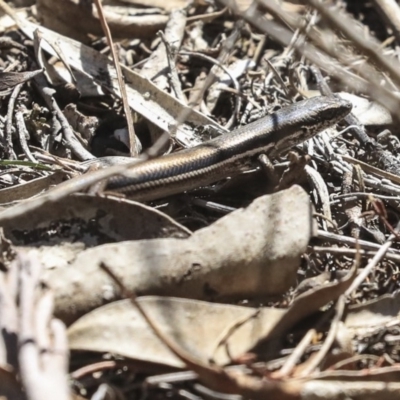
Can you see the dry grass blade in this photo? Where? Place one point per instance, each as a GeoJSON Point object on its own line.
{"type": "Point", "coordinates": [134, 146]}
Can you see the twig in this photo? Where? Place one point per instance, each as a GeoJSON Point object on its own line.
{"type": "Point", "coordinates": [354, 195]}
{"type": "Point", "coordinates": [343, 251]}
{"type": "Point", "coordinates": [23, 134]}
{"type": "Point", "coordinates": [372, 170]}
{"type": "Point", "coordinates": [316, 361]}
{"type": "Point", "coordinates": [350, 241]}
{"type": "Point", "coordinates": [10, 110]}
{"type": "Point", "coordinates": [298, 352]}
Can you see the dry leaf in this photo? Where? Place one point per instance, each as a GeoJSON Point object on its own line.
{"type": "Point", "coordinates": [206, 331]}
{"type": "Point", "coordinates": [196, 326]}
{"type": "Point", "coordinates": [251, 252]}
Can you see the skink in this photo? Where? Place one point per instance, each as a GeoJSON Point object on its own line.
{"type": "Point", "coordinates": [228, 154]}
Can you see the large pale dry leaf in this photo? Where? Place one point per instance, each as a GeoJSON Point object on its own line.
{"type": "Point", "coordinates": [252, 252]}
{"type": "Point", "coordinates": [196, 326]}
{"type": "Point", "coordinates": [206, 331]}
{"type": "Point", "coordinates": [59, 233]}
